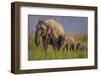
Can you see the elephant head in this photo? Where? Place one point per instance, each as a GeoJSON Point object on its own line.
{"type": "Point", "coordinates": [41, 29]}
{"type": "Point", "coordinates": [68, 42]}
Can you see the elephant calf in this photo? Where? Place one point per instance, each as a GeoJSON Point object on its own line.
{"type": "Point", "coordinates": [68, 43]}
{"type": "Point", "coordinates": [81, 46]}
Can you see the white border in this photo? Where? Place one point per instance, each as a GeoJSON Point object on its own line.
{"type": "Point", "coordinates": [25, 64]}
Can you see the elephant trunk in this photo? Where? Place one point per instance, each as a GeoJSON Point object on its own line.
{"type": "Point", "coordinates": [36, 38]}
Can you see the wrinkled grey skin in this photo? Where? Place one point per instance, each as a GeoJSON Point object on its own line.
{"type": "Point", "coordinates": [45, 31]}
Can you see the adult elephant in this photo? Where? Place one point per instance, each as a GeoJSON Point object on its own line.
{"type": "Point", "coordinates": [51, 32]}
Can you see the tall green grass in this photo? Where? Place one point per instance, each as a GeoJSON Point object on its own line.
{"type": "Point", "coordinates": [38, 53]}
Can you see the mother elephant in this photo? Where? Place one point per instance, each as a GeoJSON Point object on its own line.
{"type": "Point", "coordinates": [51, 32]}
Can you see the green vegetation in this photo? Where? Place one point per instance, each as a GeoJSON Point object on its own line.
{"type": "Point", "coordinates": [38, 53]}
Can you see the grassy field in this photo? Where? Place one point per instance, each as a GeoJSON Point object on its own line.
{"type": "Point", "coordinates": [38, 53]}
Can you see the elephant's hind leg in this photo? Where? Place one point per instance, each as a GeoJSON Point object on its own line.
{"type": "Point", "coordinates": [59, 42]}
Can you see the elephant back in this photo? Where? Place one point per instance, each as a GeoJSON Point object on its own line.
{"type": "Point", "coordinates": [57, 28]}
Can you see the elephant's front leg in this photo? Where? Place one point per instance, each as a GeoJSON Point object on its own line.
{"type": "Point", "coordinates": [44, 44]}
{"type": "Point", "coordinates": [55, 43]}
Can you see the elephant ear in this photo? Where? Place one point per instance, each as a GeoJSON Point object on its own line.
{"type": "Point", "coordinates": [48, 27]}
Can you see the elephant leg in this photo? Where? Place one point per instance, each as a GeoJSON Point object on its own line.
{"type": "Point", "coordinates": [67, 47]}
{"type": "Point", "coordinates": [59, 42]}
{"type": "Point", "coordinates": [55, 41]}
{"type": "Point", "coordinates": [73, 48]}
{"type": "Point", "coordinates": [59, 45]}
{"type": "Point", "coordinates": [63, 48]}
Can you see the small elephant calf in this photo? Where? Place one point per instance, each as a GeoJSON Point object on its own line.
{"type": "Point", "coordinates": [68, 43]}
{"type": "Point", "coordinates": [81, 46]}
